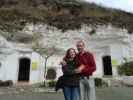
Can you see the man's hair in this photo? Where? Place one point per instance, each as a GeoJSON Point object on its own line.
{"type": "Point", "coordinates": [81, 41]}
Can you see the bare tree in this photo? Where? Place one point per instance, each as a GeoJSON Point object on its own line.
{"type": "Point", "coordinates": [46, 52]}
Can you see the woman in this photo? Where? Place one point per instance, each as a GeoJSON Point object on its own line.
{"type": "Point", "coordinates": [71, 78]}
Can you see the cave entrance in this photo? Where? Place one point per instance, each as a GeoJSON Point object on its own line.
{"type": "Point", "coordinates": [107, 65]}
{"type": "Point", "coordinates": [24, 69]}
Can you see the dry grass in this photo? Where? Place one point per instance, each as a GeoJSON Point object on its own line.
{"type": "Point", "coordinates": [63, 14]}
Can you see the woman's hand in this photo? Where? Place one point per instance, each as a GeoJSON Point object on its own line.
{"type": "Point", "coordinates": [79, 70]}
{"type": "Point", "coordinates": [63, 63]}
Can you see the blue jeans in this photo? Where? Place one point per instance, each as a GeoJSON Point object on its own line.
{"type": "Point", "coordinates": [87, 89]}
{"type": "Point", "coordinates": [71, 93]}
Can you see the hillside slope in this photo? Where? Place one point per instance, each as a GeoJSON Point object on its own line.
{"type": "Point", "coordinates": [63, 14]}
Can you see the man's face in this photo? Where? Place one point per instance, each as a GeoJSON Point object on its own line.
{"type": "Point", "coordinates": [80, 46]}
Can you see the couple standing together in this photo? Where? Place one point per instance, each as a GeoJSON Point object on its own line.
{"type": "Point", "coordinates": [77, 71]}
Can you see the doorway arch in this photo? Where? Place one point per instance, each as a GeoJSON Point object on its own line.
{"type": "Point", "coordinates": [24, 69]}
{"type": "Point", "coordinates": [107, 65]}
{"type": "Point", "coordinates": [51, 74]}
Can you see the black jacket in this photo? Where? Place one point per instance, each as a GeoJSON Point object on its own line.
{"type": "Point", "coordinates": [69, 78]}
{"type": "Point", "coordinates": [59, 83]}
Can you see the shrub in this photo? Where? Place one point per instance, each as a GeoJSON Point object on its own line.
{"type": "Point", "coordinates": [52, 83]}
{"type": "Point", "coordinates": [6, 83]}
{"type": "Point", "coordinates": [126, 69]}
{"type": "Point", "coordinates": [1, 82]}
{"type": "Point", "coordinates": [41, 84]}
{"type": "Point", "coordinates": [100, 83]}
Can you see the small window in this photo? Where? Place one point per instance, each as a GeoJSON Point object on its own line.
{"type": "Point", "coordinates": [51, 74]}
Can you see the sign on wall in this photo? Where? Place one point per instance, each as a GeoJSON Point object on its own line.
{"type": "Point", "coordinates": [34, 65]}
{"type": "Point", "coordinates": [114, 62]}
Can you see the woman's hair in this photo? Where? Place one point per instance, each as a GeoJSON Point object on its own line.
{"type": "Point", "coordinates": [67, 56]}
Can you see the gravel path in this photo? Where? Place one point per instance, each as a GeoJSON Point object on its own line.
{"type": "Point", "coordinates": [115, 93]}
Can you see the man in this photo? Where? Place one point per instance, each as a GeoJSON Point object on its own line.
{"type": "Point", "coordinates": [87, 66]}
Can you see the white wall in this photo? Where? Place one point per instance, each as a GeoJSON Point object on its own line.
{"type": "Point", "coordinates": [54, 61]}
{"type": "Point", "coordinates": [99, 65]}
{"type": "Point", "coordinates": [116, 54]}
{"type": "Point", "coordinates": [10, 67]}
{"type": "Point", "coordinates": [37, 75]}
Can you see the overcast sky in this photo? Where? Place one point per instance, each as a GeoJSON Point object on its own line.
{"type": "Point", "coordinates": [126, 5]}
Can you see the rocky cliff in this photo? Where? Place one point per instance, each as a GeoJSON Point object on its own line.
{"type": "Point", "coordinates": [63, 14]}
{"type": "Point", "coordinates": [56, 17]}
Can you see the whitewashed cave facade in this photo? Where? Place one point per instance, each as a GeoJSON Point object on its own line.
{"type": "Point", "coordinates": [109, 46]}
{"type": "Point", "coordinates": [20, 64]}
{"type": "Point", "coordinates": [109, 52]}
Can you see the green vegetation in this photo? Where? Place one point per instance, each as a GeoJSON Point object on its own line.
{"type": "Point", "coordinates": [6, 83]}
{"type": "Point", "coordinates": [51, 84]}
{"type": "Point", "coordinates": [63, 14]}
{"type": "Point", "coordinates": [126, 69]}
{"type": "Point", "coordinates": [100, 82]}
